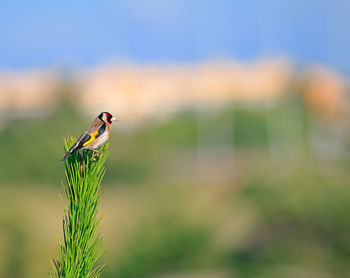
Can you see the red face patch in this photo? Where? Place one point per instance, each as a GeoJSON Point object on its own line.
{"type": "Point", "coordinates": [109, 117]}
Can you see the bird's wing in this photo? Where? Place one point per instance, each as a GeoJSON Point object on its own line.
{"type": "Point", "coordinates": [95, 130]}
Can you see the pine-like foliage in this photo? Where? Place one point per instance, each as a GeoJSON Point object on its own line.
{"type": "Point", "coordinates": [82, 243]}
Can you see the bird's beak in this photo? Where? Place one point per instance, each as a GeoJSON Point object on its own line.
{"type": "Point", "coordinates": [114, 119]}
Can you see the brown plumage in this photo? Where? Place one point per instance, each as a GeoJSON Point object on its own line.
{"type": "Point", "coordinates": [95, 135]}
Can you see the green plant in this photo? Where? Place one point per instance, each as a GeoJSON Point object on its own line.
{"type": "Point", "coordinates": [82, 243]}
{"type": "Point", "coordinates": [168, 243]}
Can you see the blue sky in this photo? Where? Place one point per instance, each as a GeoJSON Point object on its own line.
{"type": "Point", "coordinates": [38, 33]}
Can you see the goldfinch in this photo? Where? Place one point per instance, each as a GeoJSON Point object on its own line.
{"type": "Point", "coordinates": [95, 136]}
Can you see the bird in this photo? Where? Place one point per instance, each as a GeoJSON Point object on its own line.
{"type": "Point", "coordinates": [94, 136]}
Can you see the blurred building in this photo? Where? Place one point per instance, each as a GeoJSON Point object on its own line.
{"type": "Point", "coordinates": [25, 93]}
{"type": "Point", "coordinates": [137, 93]}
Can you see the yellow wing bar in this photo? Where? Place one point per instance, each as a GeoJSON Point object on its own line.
{"type": "Point", "coordinates": [92, 138]}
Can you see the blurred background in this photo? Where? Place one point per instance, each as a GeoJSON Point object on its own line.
{"type": "Point", "coordinates": [231, 154]}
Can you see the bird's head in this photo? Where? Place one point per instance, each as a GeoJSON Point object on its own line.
{"type": "Point", "coordinates": [107, 117]}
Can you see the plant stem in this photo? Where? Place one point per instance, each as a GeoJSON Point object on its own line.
{"type": "Point", "coordinates": [82, 243]}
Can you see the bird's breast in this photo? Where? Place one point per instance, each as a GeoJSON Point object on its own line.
{"type": "Point", "coordinates": [101, 140]}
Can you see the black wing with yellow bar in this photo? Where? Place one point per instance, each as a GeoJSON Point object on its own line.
{"type": "Point", "coordinates": [88, 138]}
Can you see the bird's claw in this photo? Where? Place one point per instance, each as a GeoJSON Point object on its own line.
{"type": "Point", "coordinates": [97, 153]}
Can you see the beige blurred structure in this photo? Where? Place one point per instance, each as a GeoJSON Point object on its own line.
{"type": "Point", "coordinates": [325, 92]}
{"type": "Point", "coordinates": [140, 92]}
{"type": "Point", "coordinates": [136, 93]}
{"type": "Point", "coordinates": [25, 93]}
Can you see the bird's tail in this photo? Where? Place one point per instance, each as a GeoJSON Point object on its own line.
{"type": "Point", "coordinates": [68, 154]}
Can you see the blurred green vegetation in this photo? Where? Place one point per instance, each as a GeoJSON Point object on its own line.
{"type": "Point", "coordinates": [16, 241]}
{"type": "Point", "coordinates": [168, 244]}
{"type": "Point", "coordinates": [284, 212]}
{"type": "Point", "coordinates": [302, 222]}
{"type": "Point", "coordinates": [32, 147]}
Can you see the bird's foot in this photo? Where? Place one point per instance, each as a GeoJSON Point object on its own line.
{"type": "Point", "coordinates": [95, 155]}
{"type": "Point", "coordinates": [82, 164]}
